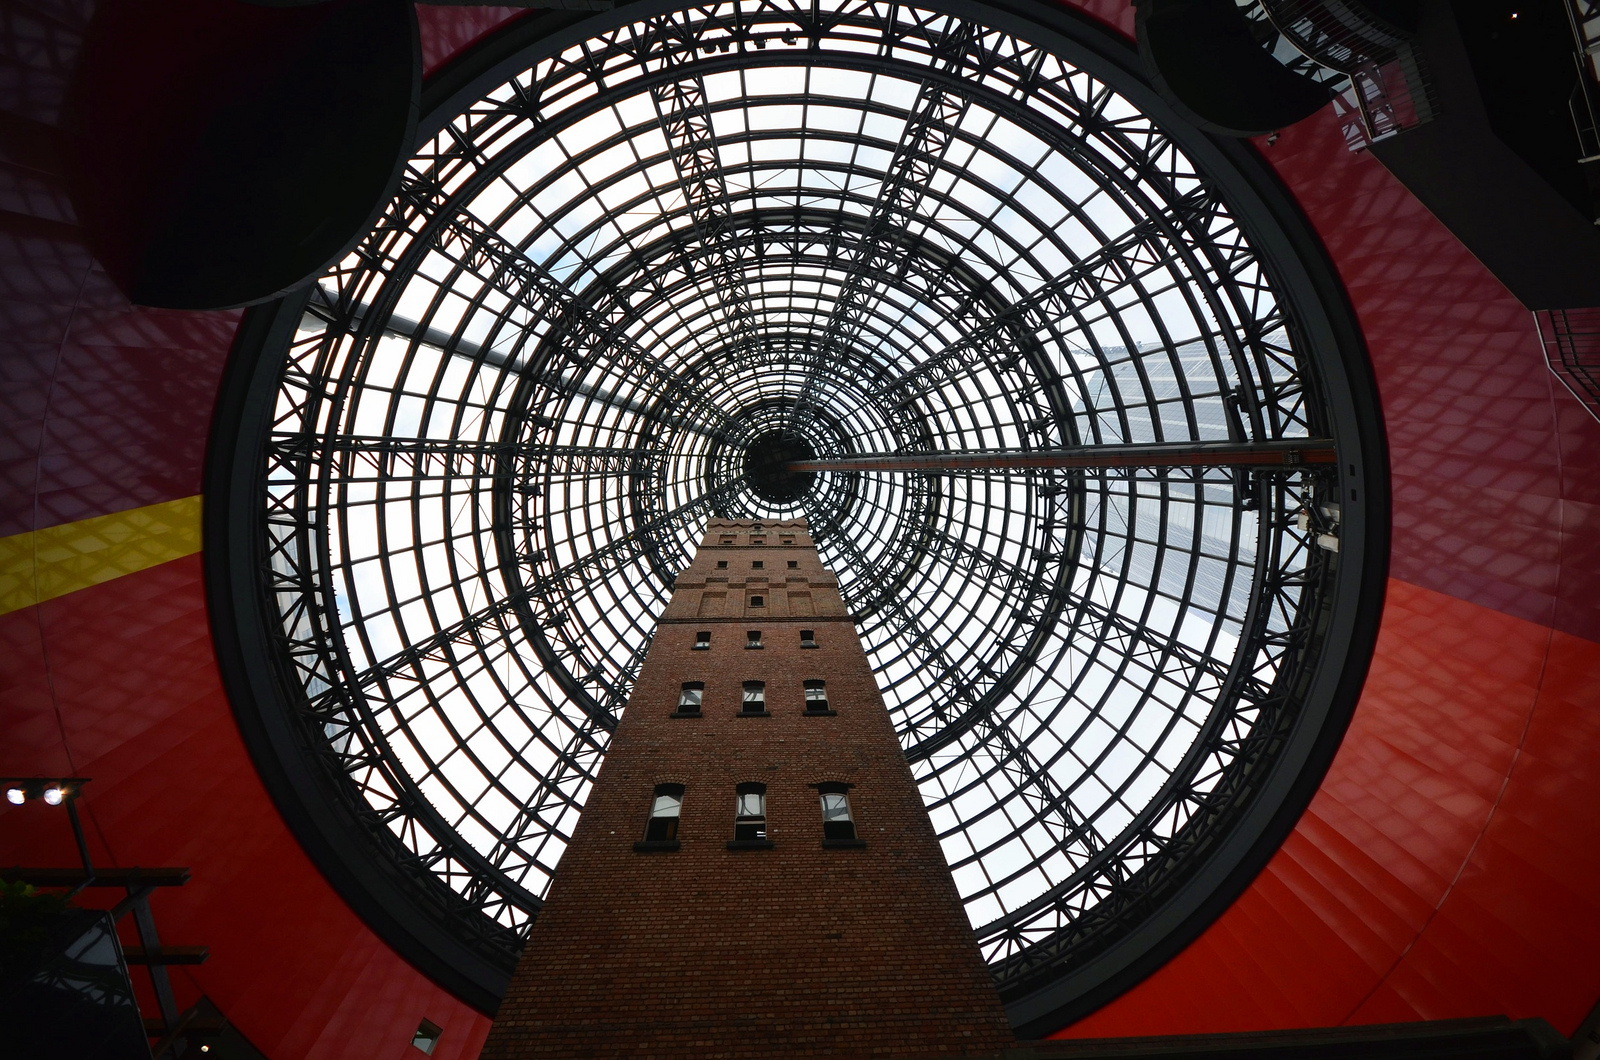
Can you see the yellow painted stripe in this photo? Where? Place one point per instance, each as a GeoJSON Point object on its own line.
{"type": "Point", "coordinates": [44, 564]}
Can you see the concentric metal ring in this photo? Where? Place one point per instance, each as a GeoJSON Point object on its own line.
{"type": "Point", "coordinates": [647, 255]}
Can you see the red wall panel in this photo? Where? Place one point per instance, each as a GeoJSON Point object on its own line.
{"type": "Point", "coordinates": [1440, 870]}
{"type": "Point", "coordinates": [449, 31]}
{"type": "Point", "coordinates": [141, 710]}
{"type": "Point", "coordinates": [103, 407]}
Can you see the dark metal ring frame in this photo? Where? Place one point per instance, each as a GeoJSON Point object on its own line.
{"type": "Point", "coordinates": [1285, 701]}
{"type": "Point", "coordinates": [825, 430]}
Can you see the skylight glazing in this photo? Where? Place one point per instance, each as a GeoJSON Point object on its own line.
{"type": "Point", "coordinates": [504, 419]}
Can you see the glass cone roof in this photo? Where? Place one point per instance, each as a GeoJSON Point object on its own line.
{"type": "Point", "coordinates": [628, 276]}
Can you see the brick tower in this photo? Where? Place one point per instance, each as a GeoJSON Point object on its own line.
{"type": "Point", "coordinates": [754, 873]}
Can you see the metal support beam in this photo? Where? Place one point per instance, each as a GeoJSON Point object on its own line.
{"type": "Point", "coordinates": [380, 458]}
{"type": "Point", "coordinates": [929, 129]}
{"type": "Point", "coordinates": [166, 955]}
{"type": "Point", "coordinates": [144, 923]}
{"type": "Point", "coordinates": [1285, 452]}
{"type": "Point", "coordinates": [578, 333]}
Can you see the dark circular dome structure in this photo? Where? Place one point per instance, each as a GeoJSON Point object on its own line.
{"type": "Point", "coordinates": [766, 467]}
{"type": "Point", "coordinates": [641, 264]}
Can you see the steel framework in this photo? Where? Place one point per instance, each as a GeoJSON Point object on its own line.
{"type": "Point", "coordinates": [953, 241]}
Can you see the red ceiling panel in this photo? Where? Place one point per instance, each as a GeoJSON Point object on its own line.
{"type": "Point", "coordinates": [131, 672]}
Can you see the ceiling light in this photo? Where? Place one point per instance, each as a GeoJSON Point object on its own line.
{"type": "Point", "coordinates": [16, 796]}
{"type": "Point", "coordinates": [53, 795]}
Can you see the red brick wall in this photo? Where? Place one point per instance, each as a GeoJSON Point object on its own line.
{"type": "Point", "coordinates": [793, 950]}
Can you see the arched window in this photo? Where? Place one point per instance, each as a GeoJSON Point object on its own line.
{"type": "Point", "coordinates": [755, 697]}
{"type": "Point", "coordinates": [691, 696]}
{"type": "Point", "coordinates": [665, 808]}
{"type": "Point", "coordinates": [817, 697]}
{"type": "Point", "coordinates": [752, 638]}
{"type": "Point", "coordinates": [808, 638]}
{"type": "Point", "coordinates": [750, 814]}
{"type": "Point", "coordinates": [838, 822]}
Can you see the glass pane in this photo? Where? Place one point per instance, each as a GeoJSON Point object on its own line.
{"type": "Point", "coordinates": [835, 808]}
{"type": "Point", "coordinates": [667, 806]}
{"type": "Point", "coordinates": [752, 806]}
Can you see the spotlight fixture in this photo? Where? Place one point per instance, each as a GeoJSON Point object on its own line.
{"type": "Point", "coordinates": [53, 790]}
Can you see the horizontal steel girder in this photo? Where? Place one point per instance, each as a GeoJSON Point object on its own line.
{"type": "Point", "coordinates": [1288, 452]}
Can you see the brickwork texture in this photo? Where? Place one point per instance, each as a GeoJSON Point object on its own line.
{"type": "Point", "coordinates": [793, 949]}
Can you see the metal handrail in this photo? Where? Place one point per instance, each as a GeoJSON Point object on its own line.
{"type": "Point", "coordinates": [1382, 85]}
{"type": "Point", "coordinates": [1571, 341]}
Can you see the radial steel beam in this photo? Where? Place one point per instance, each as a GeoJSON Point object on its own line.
{"type": "Point", "coordinates": [323, 310]}
{"type": "Point", "coordinates": [683, 109]}
{"type": "Point", "coordinates": [577, 334]}
{"type": "Point", "coordinates": [1287, 452]}
{"type": "Point", "coordinates": [929, 129]}
{"type": "Point", "coordinates": [1147, 247]}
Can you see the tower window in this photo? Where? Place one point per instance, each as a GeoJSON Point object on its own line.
{"type": "Point", "coordinates": [816, 696]}
{"type": "Point", "coordinates": [702, 640]}
{"type": "Point", "coordinates": [750, 813]}
{"type": "Point", "coordinates": [755, 697]}
{"type": "Point", "coordinates": [752, 638]}
{"type": "Point", "coordinates": [727, 539]}
{"type": "Point", "coordinates": [837, 824]}
{"type": "Point", "coordinates": [758, 565]}
{"type": "Point", "coordinates": [808, 638]}
{"type": "Point", "coordinates": [722, 564]}
{"type": "Point", "coordinates": [427, 1036]}
{"type": "Point", "coordinates": [758, 601]}
{"type": "Point", "coordinates": [665, 808]}
{"type": "Point", "coordinates": [758, 540]}
{"type": "Point", "coordinates": [794, 564]}
{"type": "Point", "coordinates": [691, 696]}
{"type": "Point", "coordinates": [787, 539]}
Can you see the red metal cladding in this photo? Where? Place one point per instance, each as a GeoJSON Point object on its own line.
{"type": "Point", "coordinates": [446, 32]}
{"type": "Point", "coordinates": [1440, 870]}
{"type": "Point", "coordinates": [1492, 460]}
{"type": "Point", "coordinates": [103, 407]}
{"type": "Point", "coordinates": [135, 701]}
